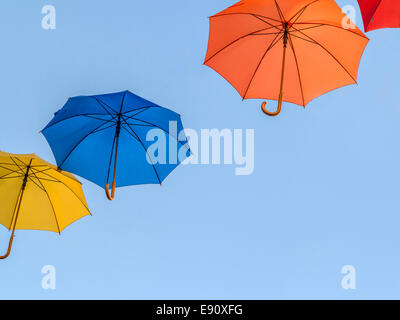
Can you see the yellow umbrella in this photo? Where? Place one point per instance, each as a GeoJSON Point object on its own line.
{"type": "Point", "coordinates": [35, 195]}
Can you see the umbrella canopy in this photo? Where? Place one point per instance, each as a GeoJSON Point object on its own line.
{"type": "Point", "coordinates": [291, 51]}
{"type": "Point", "coordinates": [378, 14]}
{"type": "Point", "coordinates": [103, 138]}
{"type": "Point", "coordinates": [35, 195]}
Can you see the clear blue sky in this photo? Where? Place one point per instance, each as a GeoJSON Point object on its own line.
{"type": "Point", "coordinates": [324, 193]}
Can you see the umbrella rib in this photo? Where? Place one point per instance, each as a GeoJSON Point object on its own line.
{"type": "Point", "coordinates": [55, 179]}
{"type": "Point", "coordinates": [39, 172]}
{"type": "Point", "coordinates": [298, 69]}
{"type": "Point", "coordinates": [122, 103]}
{"type": "Point", "coordinates": [19, 197]}
{"type": "Point", "coordinates": [1, 166]}
{"type": "Point", "coordinates": [15, 209]}
{"type": "Point", "coordinates": [102, 129]}
{"type": "Point", "coordinates": [245, 13]}
{"type": "Point", "coordinates": [31, 159]}
{"type": "Point", "coordinates": [301, 11]}
{"type": "Point", "coordinates": [298, 37]}
{"type": "Point", "coordinates": [103, 104]}
{"type": "Point", "coordinates": [373, 14]}
{"type": "Point", "coordinates": [237, 40]}
{"type": "Point", "coordinates": [133, 136]}
{"type": "Point", "coordinates": [72, 150]}
{"type": "Point", "coordinates": [331, 25]}
{"type": "Point", "coordinates": [12, 171]}
{"type": "Point", "coordinates": [7, 164]}
{"type": "Point", "coordinates": [137, 113]}
{"type": "Point", "coordinates": [45, 179]}
{"type": "Point", "coordinates": [141, 110]}
{"type": "Point", "coordinates": [279, 11]}
{"type": "Point", "coordinates": [257, 16]}
{"type": "Point", "coordinates": [140, 141]}
{"type": "Point", "coordinates": [265, 34]}
{"type": "Point", "coordinates": [313, 27]}
{"type": "Point", "coordinates": [273, 43]}
{"type": "Point", "coordinates": [5, 178]}
{"type": "Point", "coordinates": [23, 163]}
{"type": "Point", "coordinates": [79, 115]}
{"type": "Point", "coordinates": [31, 180]}
{"type": "Point", "coordinates": [91, 117]}
{"type": "Point", "coordinates": [21, 169]}
{"type": "Point", "coordinates": [336, 59]}
{"type": "Point", "coordinates": [140, 125]}
{"type": "Point", "coordinates": [154, 125]}
{"type": "Point", "coordinates": [51, 203]}
{"type": "Point", "coordinates": [66, 187]}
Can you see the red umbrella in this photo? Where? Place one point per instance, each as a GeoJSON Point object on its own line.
{"type": "Point", "coordinates": [378, 14]}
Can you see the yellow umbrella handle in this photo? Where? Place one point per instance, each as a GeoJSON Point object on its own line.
{"type": "Point", "coordinates": [17, 212]}
{"type": "Point", "coordinates": [9, 246]}
{"type": "Point", "coordinates": [112, 195]}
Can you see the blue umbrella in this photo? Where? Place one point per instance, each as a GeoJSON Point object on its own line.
{"type": "Point", "coordinates": [91, 135]}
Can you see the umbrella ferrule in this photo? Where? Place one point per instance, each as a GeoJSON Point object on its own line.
{"type": "Point", "coordinates": [285, 35]}
{"type": "Point", "coordinates": [118, 128]}
{"type": "Point", "coordinates": [26, 177]}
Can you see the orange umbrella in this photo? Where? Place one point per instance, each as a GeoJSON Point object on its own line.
{"type": "Point", "coordinates": [291, 51]}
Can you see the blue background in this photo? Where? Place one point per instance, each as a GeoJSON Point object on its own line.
{"type": "Point", "coordinates": [324, 193]}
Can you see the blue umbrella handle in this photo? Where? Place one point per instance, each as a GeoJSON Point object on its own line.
{"type": "Point", "coordinates": [107, 187]}
{"type": "Point", "coordinates": [112, 195]}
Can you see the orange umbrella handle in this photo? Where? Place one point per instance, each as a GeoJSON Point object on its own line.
{"type": "Point", "coordinates": [112, 195]}
{"type": "Point", "coordinates": [278, 111]}
{"type": "Point", "coordinates": [269, 113]}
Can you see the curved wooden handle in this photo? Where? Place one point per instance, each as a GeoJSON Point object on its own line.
{"type": "Point", "coordinates": [280, 99]}
{"type": "Point", "coordinates": [9, 247]}
{"type": "Point", "coordinates": [107, 187]}
{"type": "Point", "coordinates": [269, 113]}
{"type": "Point", "coordinates": [18, 207]}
